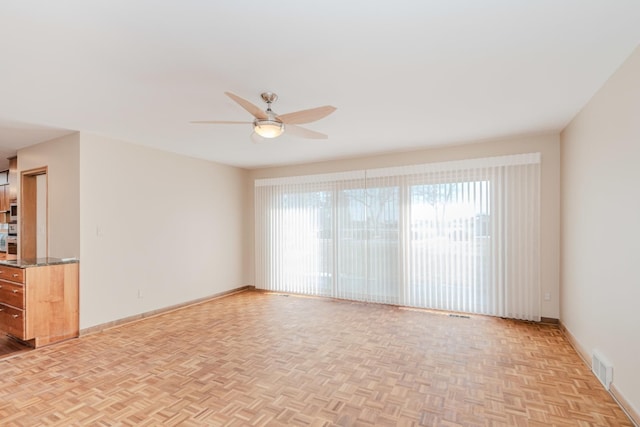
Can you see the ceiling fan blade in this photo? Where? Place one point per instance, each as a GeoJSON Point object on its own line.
{"type": "Point", "coordinates": [306, 116]}
{"type": "Point", "coordinates": [304, 132]}
{"type": "Point", "coordinates": [219, 122]}
{"type": "Point", "coordinates": [254, 110]}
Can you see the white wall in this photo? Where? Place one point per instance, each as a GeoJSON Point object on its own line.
{"type": "Point", "coordinates": [61, 156]}
{"type": "Point", "coordinates": [156, 229]}
{"type": "Point", "coordinates": [548, 145]}
{"type": "Point", "coordinates": [601, 227]}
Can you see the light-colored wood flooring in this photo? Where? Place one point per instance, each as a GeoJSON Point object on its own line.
{"type": "Point", "coordinates": [258, 359]}
{"type": "Point", "coordinates": [10, 346]}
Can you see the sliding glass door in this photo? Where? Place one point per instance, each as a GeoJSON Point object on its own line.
{"type": "Point", "coordinates": [459, 236]}
{"type": "Point", "coordinates": [368, 244]}
{"type": "Point", "coordinates": [449, 245]}
{"type": "Point", "coordinates": [297, 229]}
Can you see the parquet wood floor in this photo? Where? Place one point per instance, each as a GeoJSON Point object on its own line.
{"type": "Point", "coordinates": [262, 359]}
{"type": "Point", "coordinates": [10, 346]}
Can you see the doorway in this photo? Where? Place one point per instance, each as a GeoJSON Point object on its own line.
{"type": "Point", "coordinates": [34, 214]}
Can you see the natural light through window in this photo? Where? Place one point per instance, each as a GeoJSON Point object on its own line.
{"type": "Point", "coordinates": [460, 236]}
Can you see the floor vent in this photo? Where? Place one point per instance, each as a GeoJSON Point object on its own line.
{"type": "Point", "coordinates": [461, 316]}
{"type": "Point", "coordinates": [602, 369]}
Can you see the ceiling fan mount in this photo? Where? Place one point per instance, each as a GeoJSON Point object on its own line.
{"type": "Point", "coordinates": [269, 97]}
{"type": "Point", "coordinates": [267, 124]}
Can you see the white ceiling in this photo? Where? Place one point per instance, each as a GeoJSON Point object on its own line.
{"type": "Point", "coordinates": [404, 74]}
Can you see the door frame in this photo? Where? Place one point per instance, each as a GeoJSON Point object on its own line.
{"type": "Point", "coordinates": [28, 210]}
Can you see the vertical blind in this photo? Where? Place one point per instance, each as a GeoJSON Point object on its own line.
{"type": "Point", "coordinates": [458, 236]}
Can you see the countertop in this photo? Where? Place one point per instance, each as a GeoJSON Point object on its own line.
{"type": "Point", "coordinates": [37, 262]}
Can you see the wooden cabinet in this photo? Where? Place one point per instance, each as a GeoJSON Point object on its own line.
{"type": "Point", "coordinates": [11, 273]}
{"type": "Point", "coordinates": [39, 304]}
{"type": "Point", "coordinates": [12, 190]}
{"type": "Point", "coordinates": [4, 198]}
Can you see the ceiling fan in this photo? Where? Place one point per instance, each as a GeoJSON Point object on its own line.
{"type": "Point", "coordinates": [268, 124]}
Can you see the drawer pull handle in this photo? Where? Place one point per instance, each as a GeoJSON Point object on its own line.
{"type": "Point", "coordinates": [14, 315]}
{"type": "Point", "coordinates": [15, 291]}
{"type": "Point", "coordinates": [15, 274]}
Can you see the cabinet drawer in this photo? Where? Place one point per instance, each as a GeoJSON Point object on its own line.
{"type": "Point", "coordinates": [12, 294]}
{"type": "Point", "coordinates": [11, 273]}
{"type": "Point", "coordinates": [12, 321]}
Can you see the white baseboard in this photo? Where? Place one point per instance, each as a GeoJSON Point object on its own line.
{"type": "Point", "coordinates": [137, 317]}
{"type": "Point", "coordinates": [633, 415]}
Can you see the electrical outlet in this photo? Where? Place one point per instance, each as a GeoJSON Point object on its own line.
{"type": "Point", "coordinates": [547, 296]}
{"type": "Point", "coordinates": [139, 293]}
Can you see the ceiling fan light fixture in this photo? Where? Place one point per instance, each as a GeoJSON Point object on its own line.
{"type": "Point", "coordinates": [268, 128]}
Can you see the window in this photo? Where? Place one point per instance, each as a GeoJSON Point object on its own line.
{"type": "Point", "coordinates": [459, 236]}
{"type": "Point", "coordinates": [450, 242]}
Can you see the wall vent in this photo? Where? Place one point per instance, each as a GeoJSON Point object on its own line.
{"type": "Point", "coordinates": [602, 369]}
